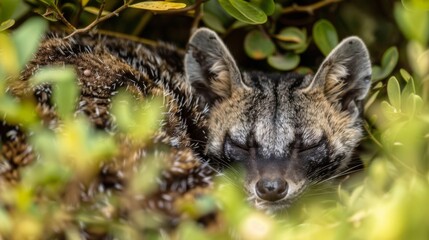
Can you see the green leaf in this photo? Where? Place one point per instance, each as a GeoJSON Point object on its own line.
{"type": "Point", "coordinates": [215, 9]}
{"type": "Point", "coordinates": [268, 6]}
{"type": "Point", "coordinates": [292, 38]}
{"type": "Point", "coordinates": [49, 2]}
{"type": "Point", "coordinates": [65, 88]}
{"type": "Point", "coordinates": [27, 38]}
{"type": "Point", "coordinates": [250, 11]}
{"type": "Point", "coordinates": [6, 24]}
{"type": "Point", "coordinates": [258, 45]}
{"type": "Point", "coordinates": [284, 62]}
{"type": "Point", "coordinates": [388, 63]}
{"type": "Point", "coordinates": [394, 92]}
{"type": "Point", "coordinates": [244, 11]}
{"type": "Point", "coordinates": [7, 8]}
{"type": "Point", "coordinates": [325, 36]}
{"type": "Point", "coordinates": [213, 22]}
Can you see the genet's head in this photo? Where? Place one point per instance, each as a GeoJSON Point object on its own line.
{"type": "Point", "coordinates": [286, 130]}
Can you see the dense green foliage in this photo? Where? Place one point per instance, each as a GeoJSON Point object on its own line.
{"type": "Point", "coordinates": [387, 200]}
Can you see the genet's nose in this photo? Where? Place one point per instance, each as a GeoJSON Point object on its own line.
{"type": "Point", "coordinates": [271, 189]}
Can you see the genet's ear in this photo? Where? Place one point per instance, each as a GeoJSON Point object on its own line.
{"type": "Point", "coordinates": [345, 75]}
{"type": "Point", "coordinates": [209, 66]}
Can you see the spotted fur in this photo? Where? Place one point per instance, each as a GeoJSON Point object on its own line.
{"type": "Point", "coordinates": [286, 131]}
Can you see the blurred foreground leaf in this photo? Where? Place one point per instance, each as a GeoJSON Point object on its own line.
{"type": "Point", "coordinates": [414, 23]}
{"type": "Point", "coordinates": [65, 91]}
{"type": "Point", "coordinates": [416, 4]}
{"type": "Point", "coordinates": [7, 9]}
{"type": "Point", "coordinates": [137, 118]}
{"type": "Point", "coordinates": [27, 38]}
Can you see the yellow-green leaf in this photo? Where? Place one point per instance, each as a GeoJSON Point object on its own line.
{"type": "Point", "coordinates": [389, 111]}
{"type": "Point", "coordinates": [420, 5]}
{"type": "Point", "coordinates": [394, 92]}
{"type": "Point", "coordinates": [292, 38]}
{"type": "Point", "coordinates": [158, 5]}
{"type": "Point", "coordinates": [84, 2]}
{"type": "Point", "coordinates": [65, 88]}
{"type": "Point", "coordinates": [6, 24]}
{"type": "Point", "coordinates": [414, 104]}
{"type": "Point", "coordinates": [95, 11]}
{"type": "Point", "coordinates": [9, 62]}
{"type": "Point", "coordinates": [405, 74]}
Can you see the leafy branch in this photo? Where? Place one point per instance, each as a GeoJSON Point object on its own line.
{"type": "Point", "coordinates": [308, 8]}
{"type": "Point", "coordinates": [101, 18]}
{"type": "Point", "coordinates": [127, 3]}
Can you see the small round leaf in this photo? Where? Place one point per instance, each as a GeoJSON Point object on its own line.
{"type": "Point", "coordinates": [325, 36]}
{"type": "Point", "coordinates": [284, 62]}
{"type": "Point", "coordinates": [258, 46]}
{"type": "Point", "coordinates": [293, 38]}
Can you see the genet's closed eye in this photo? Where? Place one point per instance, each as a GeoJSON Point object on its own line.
{"type": "Point", "coordinates": [234, 150]}
{"type": "Point", "coordinates": [311, 147]}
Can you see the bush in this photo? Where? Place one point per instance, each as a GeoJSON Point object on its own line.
{"type": "Point", "coordinates": [387, 200]}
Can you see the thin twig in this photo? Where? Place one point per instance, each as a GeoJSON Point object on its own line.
{"type": "Point", "coordinates": [62, 18]}
{"type": "Point", "coordinates": [144, 20]}
{"type": "Point", "coordinates": [308, 8]}
{"type": "Point", "coordinates": [100, 19]}
{"type": "Point", "coordinates": [198, 16]}
{"type": "Point", "coordinates": [100, 11]}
